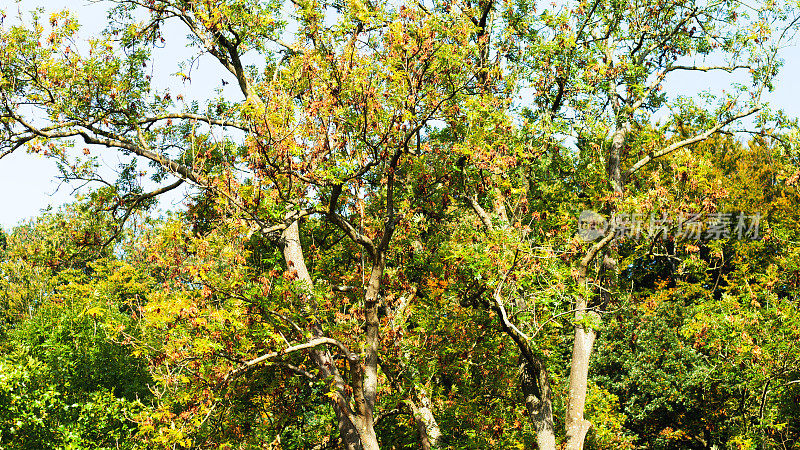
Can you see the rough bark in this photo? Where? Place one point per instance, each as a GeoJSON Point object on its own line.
{"type": "Point", "coordinates": [429, 433]}
{"type": "Point", "coordinates": [431, 427]}
{"type": "Point", "coordinates": [424, 440]}
{"type": "Point", "coordinates": [614, 159]}
{"type": "Point", "coordinates": [538, 401]}
{"type": "Point", "coordinates": [366, 398]}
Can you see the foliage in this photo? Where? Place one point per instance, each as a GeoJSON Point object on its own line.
{"type": "Point", "coordinates": [67, 380]}
{"type": "Point", "coordinates": [40, 412]}
{"type": "Point", "coordinates": [380, 246]}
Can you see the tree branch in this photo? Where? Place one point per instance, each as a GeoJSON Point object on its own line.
{"type": "Point", "coordinates": [138, 200]}
{"type": "Point", "coordinates": [482, 214]}
{"type": "Point", "coordinates": [308, 345]}
{"type": "Point", "coordinates": [345, 225]}
{"type": "Point", "coordinates": [191, 116]}
{"type": "Point", "coordinates": [688, 141]}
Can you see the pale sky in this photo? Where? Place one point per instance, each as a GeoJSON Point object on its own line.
{"type": "Point", "coordinates": [28, 183]}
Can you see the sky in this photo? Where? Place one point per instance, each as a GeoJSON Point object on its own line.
{"type": "Point", "coordinates": [29, 184]}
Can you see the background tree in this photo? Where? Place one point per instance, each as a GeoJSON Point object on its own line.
{"type": "Point", "coordinates": [67, 381]}
{"type": "Point", "coordinates": [597, 71]}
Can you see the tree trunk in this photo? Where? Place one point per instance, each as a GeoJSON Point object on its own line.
{"type": "Point", "coordinates": [577, 426]}
{"type": "Point", "coordinates": [538, 401]}
{"type": "Point", "coordinates": [614, 158]}
{"type": "Point", "coordinates": [419, 421]}
{"type": "Point", "coordinates": [366, 398]}
{"type": "Point", "coordinates": [350, 434]}
{"type": "Point", "coordinates": [429, 433]}
{"type": "Point", "coordinates": [369, 440]}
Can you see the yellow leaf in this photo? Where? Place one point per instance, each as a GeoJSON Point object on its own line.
{"type": "Point", "coordinates": [95, 311]}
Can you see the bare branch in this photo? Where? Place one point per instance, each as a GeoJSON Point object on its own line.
{"type": "Point", "coordinates": [688, 141]}
{"type": "Point", "coordinates": [709, 68]}
{"type": "Point", "coordinates": [482, 214]}
{"type": "Point", "coordinates": [191, 116]}
{"type": "Point", "coordinates": [136, 202]}
{"type": "Point", "coordinates": [498, 299]}
{"type": "Point", "coordinates": [345, 225]}
{"type": "Point", "coordinates": [112, 142]}
{"type": "Point", "coordinates": [294, 369]}
{"type": "Point", "coordinates": [308, 345]}
{"type": "Point", "coordinates": [589, 256]}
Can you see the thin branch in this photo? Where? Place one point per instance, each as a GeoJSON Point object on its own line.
{"type": "Point", "coordinates": [294, 369]}
{"type": "Point", "coordinates": [136, 202]}
{"type": "Point", "coordinates": [111, 142]}
{"type": "Point", "coordinates": [709, 68]}
{"type": "Point", "coordinates": [345, 225]}
{"type": "Point", "coordinates": [308, 345]}
{"type": "Point", "coordinates": [591, 254]}
{"type": "Point", "coordinates": [190, 116]}
{"type": "Point", "coordinates": [498, 299]}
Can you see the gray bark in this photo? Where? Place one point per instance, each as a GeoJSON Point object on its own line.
{"type": "Point", "coordinates": [538, 401]}
{"type": "Point", "coordinates": [614, 159]}
{"type": "Point", "coordinates": [577, 426]}
{"type": "Point", "coordinates": [428, 421]}
{"type": "Point", "coordinates": [429, 433]}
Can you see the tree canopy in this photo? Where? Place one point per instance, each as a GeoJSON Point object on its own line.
{"type": "Point", "coordinates": [416, 225]}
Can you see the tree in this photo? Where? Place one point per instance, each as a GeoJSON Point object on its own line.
{"type": "Point", "coordinates": [329, 121]}
{"type": "Point", "coordinates": [598, 71]}
{"type": "Point", "coordinates": [702, 365]}
{"type": "Point", "coordinates": [378, 183]}
{"type": "Point", "coordinates": [67, 381]}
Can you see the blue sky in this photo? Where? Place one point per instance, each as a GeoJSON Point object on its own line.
{"type": "Point", "coordinates": [28, 183]}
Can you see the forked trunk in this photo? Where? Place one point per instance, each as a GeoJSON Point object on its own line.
{"type": "Point", "coordinates": [577, 426]}
{"type": "Point", "coordinates": [354, 433]}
